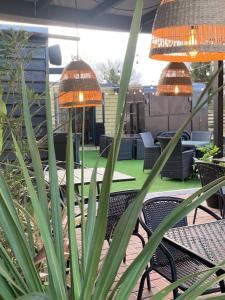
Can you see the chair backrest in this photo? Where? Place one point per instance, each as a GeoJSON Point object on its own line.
{"type": "Point", "coordinates": [166, 133]}
{"type": "Point", "coordinates": [177, 152]}
{"type": "Point", "coordinates": [209, 172]}
{"type": "Point", "coordinates": [118, 203]}
{"type": "Point", "coordinates": [154, 212]}
{"type": "Point", "coordinates": [201, 136]}
{"type": "Point", "coordinates": [147, 139]}
{"type": "Point", "coordinates": [185, 135]}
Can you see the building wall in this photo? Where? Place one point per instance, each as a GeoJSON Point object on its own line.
{"type": "Point", "coordinates": [35, 78]}
{"type": "Point", "coordinates": [99, 114]}
{"type": "Point", "coordinates": [110, 105]}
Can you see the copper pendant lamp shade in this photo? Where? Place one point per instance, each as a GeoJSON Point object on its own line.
{"type": "Point", "coordinates": [79, 86]}
{"type": "Point", "coordinates": [189, 30]}
{"type": "Point", "coordinates": [175, 80]}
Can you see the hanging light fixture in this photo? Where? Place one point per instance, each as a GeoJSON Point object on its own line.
{"type": "Point", "coordinates": [175, 80]}
{"type": "Point", "coordinates": [189, 30]}
{"type": "Point", "coordinates": [79, 86]}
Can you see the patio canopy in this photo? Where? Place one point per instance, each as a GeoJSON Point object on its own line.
{"type": "Point", "coordinates": [107, 14]}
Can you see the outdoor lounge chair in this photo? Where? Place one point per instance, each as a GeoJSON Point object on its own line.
{"type": "Point", "coordinates": [168, 261]}
{"type": "Point", "coordinates": [201, 136]}
{"type": "Point", "coordinates": [209, 172]}
{"type": "Point", "coordinates": [151, 151]}
{"type": "Point", "coordinates": [179, 164]}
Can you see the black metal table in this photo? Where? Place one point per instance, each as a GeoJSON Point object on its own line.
{"type": "Point", "coordinates": [205, 242]}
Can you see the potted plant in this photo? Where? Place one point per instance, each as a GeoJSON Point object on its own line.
{"type": "Point", "coordinates": [208, 152]}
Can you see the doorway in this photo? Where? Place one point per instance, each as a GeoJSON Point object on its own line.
{"type": "Point", "coordinates": [89, 135]}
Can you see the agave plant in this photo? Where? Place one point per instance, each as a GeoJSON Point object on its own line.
{"type": "Point", "coordinates": [88, 277]}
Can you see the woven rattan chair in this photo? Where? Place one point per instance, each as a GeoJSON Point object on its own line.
{"type": "Point", "coordinates": [139, 149]}
{"type": "Point", "coordinates": [126, 148]}
{"type": "Point", "coordinates": [103, 150]}
{"type": "Point", "coordinates": [118, 203]}
{"type": "Point", "coordinates": [151, 151]}
{"type": "Point", "coordinates": [168, 261]}
{"type": "Point", "coordinates": [60, 140]}
{"type": "Point", "coordinates": [209, 172]}
{"type": "Point", "coordinates": [201, 136]}
{"type": "Point", "coordinates": [179, 165]}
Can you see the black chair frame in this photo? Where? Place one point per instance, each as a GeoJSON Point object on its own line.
{"type": "Point", "coordinates": [163, 246]}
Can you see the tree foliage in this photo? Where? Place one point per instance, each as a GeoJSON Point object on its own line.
{"type": "Point", "coordinates": [200, 71]}
{"type": "Point", "coordinates": [110, 72]}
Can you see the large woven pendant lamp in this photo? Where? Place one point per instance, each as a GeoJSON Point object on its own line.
{"type": "Point", "coordinates": [189, 30]}
{"type": "Point", "coordinates": [175, 80]}
{"type": "Point", "coordinates": [79, 86]}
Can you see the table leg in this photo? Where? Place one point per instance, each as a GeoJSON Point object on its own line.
{"type": "Point", "coordinates": [98, 187]}
{"type": "Point", "coordinates": [221, 283]}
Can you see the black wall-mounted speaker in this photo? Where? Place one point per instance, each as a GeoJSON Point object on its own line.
{"type": "Point", "coordinates": [55, 55]}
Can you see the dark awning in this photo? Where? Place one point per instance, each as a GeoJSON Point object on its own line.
{"type": "Point", "coordinates": [102, 14]}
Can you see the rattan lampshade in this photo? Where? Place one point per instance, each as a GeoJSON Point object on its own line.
{"type": "Point", "coordinates": [175, 80]}
{"type": "Point", "coordinates": [189, 31]}
{"type": "Point", "coordinates": [79, 86]}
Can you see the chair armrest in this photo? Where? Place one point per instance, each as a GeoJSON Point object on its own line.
{"type": "Point", "coordinates": [186, 148]}
{"type": "Point", "coordinates": [153, 147]}
{"type": "Point", "coordinates": [188, 152]}
{"type": "Point", "coordinates": [211, 213]}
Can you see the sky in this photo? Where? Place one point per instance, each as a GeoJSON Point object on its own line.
{"type": "Point", "coordinates": [98, 46]}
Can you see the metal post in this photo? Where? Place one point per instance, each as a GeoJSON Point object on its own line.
{"type": "Point", "coordinates": [218, 111]}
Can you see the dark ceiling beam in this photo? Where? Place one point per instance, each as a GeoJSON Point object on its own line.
{"type": "Point", "coordinates": [23, 11]}
{"type": "Point", "coordinates": [42, 4]}
{"type": "Point", "coordinates": [104, 6]}
{"type": "Point", "coordinates": [148, 17]}
{"type": "Point", "coordinates": [147, 21]}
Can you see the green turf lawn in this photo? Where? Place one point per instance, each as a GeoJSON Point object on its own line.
{"type": "Point", "coordinates": [135, 168]}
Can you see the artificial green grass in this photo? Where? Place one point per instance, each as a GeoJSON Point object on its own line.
{"type": "Point", "coordinates": [135, 168]}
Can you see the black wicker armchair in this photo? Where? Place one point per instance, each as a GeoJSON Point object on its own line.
{"type": "Point", "coordinates": [168, 261]}
{"type": "Point", "coordinates": [209, 172]}
{"type": "Point", "coordinates": [179, 165]}
{"type": "Point", "coordinates": [60, 146]}
{"type": "Point", "coordinates": [103, 149]}
{"type": "Point", "coordinates": [118, 203]}
{"type": "Point", "coordinates": [126, 147]}
{"type": "Point", "coordinates": [151, 151]}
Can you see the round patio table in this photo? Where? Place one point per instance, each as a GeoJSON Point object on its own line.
{"type": "Point", "coordinates": [195, 143]}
